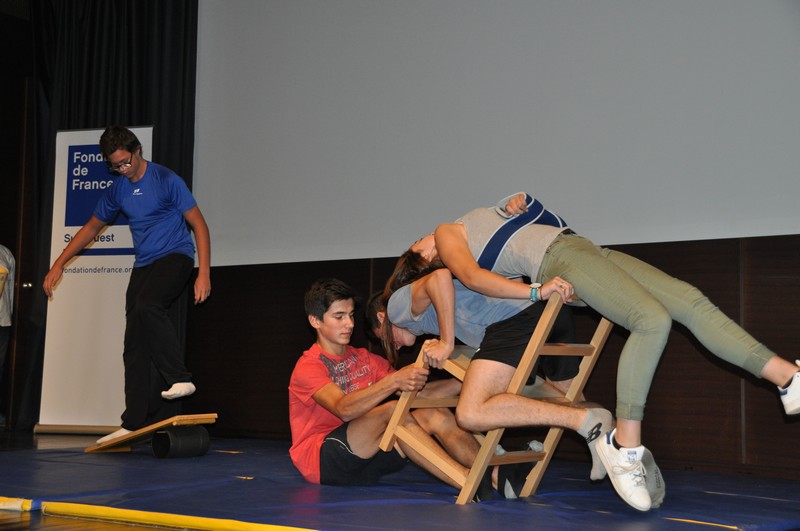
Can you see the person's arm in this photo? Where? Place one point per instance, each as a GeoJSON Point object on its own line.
{"type": "Point", "coordinates": [453, 249]}
{"type": "Point", "coordinates": [358, 403]}
{"type": "Point", "coordinates": [437, 289]}
{"type": "Point", "coordinates": [202, 286]}
{"type": "Point", "coordinates": [81, 239]}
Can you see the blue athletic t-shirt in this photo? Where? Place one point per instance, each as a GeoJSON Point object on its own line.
{"type": "Point", "coordinates": [154, 206]}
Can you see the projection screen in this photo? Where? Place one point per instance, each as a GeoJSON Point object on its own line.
{"type": "Point", "coordinates": [334, 129]}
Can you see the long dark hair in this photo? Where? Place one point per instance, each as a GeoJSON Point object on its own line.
{"type": "Point", "coordinates": [375, 305]}
{"type": "Point", "coordinates": [409, 267]}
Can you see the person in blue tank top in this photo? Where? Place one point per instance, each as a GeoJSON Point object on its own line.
{"type": "Point", "coordinates": [161, 210]}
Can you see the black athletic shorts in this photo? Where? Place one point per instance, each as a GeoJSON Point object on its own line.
{"type": "Point", "coordinates": [505, 341]}
{"type": "Point", "coordinates": [338, 465]}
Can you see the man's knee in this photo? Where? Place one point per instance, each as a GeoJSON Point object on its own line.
{"type": "Point", "coordinates": [469, 417]}
{"type": "Point", "coordinates": [385, 410]}
{"type": "Point", "coordinates": [367, 430]}
{"type": "Point", "coordinates": [381, 416]}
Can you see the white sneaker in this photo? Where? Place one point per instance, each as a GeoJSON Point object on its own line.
{"type": "Point", "coordinates": [653, 480]}
{"type": "Point", "coordinates": [790, 395]}
{"type": "Point", "coordinates": [624, 467]}
{"type": "Point", "coordinates": [117, 434]}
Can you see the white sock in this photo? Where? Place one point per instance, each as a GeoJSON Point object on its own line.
{"type": "Point", "coordinates": [598, 421]}
{"type": "Point", "coordinates": [178, 390]}
{"type": "Point", "coordinates": [119, 433]}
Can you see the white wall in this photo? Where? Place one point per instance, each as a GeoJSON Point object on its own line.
{"type": "Point", "coordinates": [332, 129]}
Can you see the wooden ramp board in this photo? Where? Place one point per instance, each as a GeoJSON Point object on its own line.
{"type": "Point", "coordinates": [124, 443]}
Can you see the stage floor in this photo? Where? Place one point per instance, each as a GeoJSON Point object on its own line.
{"type": "Point", "coordinates": [245, 483]}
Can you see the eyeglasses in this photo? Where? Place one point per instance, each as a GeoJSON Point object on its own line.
{"type": "Point", "coordinates": [121, 165]}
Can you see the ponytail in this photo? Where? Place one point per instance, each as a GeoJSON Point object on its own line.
{"type": "Point", "coordinates": [375, 305]}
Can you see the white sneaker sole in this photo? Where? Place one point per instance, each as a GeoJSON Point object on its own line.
{"type": "Point", "coordinates": [601, 448]}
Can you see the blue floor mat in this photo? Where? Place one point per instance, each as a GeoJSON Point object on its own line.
{"type": "Point", "coordinates": [254, 481]}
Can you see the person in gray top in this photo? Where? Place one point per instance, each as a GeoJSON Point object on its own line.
{"type": "Point", "coordinates": [501, 329]}
{"type": "Point", "coordinates": [519, 238]}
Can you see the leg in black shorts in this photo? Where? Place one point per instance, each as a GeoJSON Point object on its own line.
{"type": "Point", "coordinates": [505, 341]}
{"type": "Point", "coordinates": [340, 466]}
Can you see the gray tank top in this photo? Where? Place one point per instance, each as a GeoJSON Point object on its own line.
{"type": "Point", "coordinates": [523, 253]}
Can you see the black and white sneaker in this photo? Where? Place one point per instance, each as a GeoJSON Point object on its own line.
{"type": "Point", "coordinates": [485, 490]}
{"type": "Point", "coordinates": [511, 479]}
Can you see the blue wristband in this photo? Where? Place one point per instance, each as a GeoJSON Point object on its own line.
{"type": "Point", "coordinates": [535, 292]}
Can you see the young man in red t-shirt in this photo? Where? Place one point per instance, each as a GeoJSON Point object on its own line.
{"type": "Point", "coordinates": [337, 406]}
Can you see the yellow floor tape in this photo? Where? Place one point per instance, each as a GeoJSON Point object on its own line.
{"type": "Point", "coordinates": [14, 504]}
{"type": "Point", "coordinates": [95, 512]}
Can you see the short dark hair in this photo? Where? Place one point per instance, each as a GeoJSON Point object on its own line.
{"type": "Point", "coordinates": [117, 137]}
{"type": "Point", "coordinates": [324, 292]}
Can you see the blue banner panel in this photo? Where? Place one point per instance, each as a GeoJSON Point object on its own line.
{"type": "Point", "coordinates": [88, 178]}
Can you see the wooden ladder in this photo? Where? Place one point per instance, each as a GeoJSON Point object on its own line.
{"type": "Point", "coordinates": [486, 455]}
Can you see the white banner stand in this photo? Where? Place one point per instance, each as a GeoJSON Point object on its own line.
{"type": "Point", "coordinates": [83, 380]}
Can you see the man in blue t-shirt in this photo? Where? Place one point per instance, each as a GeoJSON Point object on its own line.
{"type": "Point", "coordinates": [159, 207]}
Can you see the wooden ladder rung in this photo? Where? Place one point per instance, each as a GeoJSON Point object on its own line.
{"type": "Point", "coordinates": [430, 455]}
{"type": "Point", "coordinates": [556, 400]}
{"type": "Point", "coordinates": [451, 401]}
{"type": "Point", "coordinates": [457, 367]}
{"type": "Point", "coordinates": [567, 349]}
{"type": "Point", "coordinates": [522, 456]}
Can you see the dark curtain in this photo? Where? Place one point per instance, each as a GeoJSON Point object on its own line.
{"type": "Point", "coordinates": [97, 63]}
